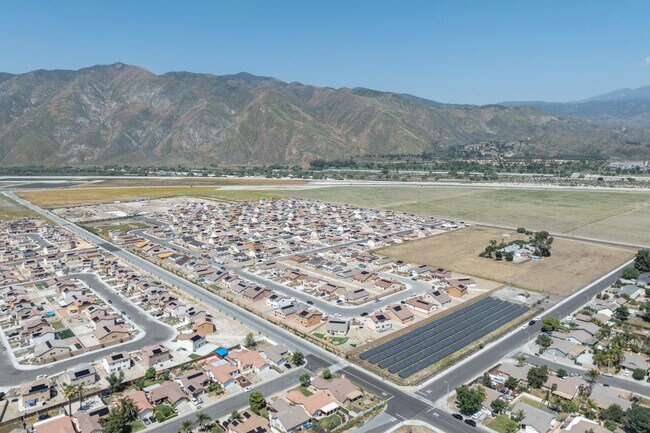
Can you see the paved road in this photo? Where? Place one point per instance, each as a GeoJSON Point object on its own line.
{"type": "Point", "coordinates": [637, 387]}
{"type": "Point", "coordinates": [154, 332]}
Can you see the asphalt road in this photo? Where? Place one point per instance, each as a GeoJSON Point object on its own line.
{"type": "Point", "coordinates": [154, 332]}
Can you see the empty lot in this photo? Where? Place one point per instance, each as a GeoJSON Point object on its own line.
{"type": "Point", "coordinates": [573, 264]}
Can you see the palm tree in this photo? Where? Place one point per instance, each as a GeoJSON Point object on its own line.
{"type": "Point", "coordinates": [521, 360]}
{"type": "Point", "coordinates": [520, 414]}
{"type": "Point", "coordinates": [202, 419]}
{"type": "Point", "coordinates": [80, 392]}
{"type": "Point", "coordinates": [69, 391]}
{"type": "Point", "coordinates": [592, 375]}
{"type": "Point", "coordinates": [127, 408]}
{"type": "Point", "coordinates": [187, 426]}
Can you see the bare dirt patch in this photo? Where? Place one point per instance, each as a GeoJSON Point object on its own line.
{"type": "Point", "coordinates": [573, 264]}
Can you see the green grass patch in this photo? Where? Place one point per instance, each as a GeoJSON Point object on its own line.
{"type": "Point", "coordinates": [56, 325]}
{"type": "Point", "coordinates": [66, 333]}
{"type": "Point", "coordinates": [337, 341]}
{"type": "Point", "coordinates": [501, 423]}
{"type": "Point", "coordinates": [304, 391]}
{"type": "Point", "coordinates": [194, 356]}
{"type": "Point", "coordinates": [330, 422]}
{"type": "Point", "coordinates": [136, 426]}
{"type": "Point", "coordinates": [319, 335]}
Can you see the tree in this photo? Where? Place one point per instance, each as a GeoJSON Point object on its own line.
{"type": "Point", "coordinates": [642, 261]}
{"type": "Point", "coordinates": [327, 374]}
{"type": "Point", "coordinates": [150, 374]}
{"type": "Point", "coordinates": [115, 381]}
{"type": "Point", "coordinates": [550, 324]}
{"type": "Point", "coordinates": [115, 423]}
{"type": "Point", "coordinates": [542, 242]}
{"type": "Point", "coordinates": [298, 358]}
{"type": "Point", "coordinates": [498, 406]}
{"type": "Point", "coordinates": [622, 313]}
{"type": "Point", "coordinates": [250, 342]}
{"type": "Point", "coordinates": [235, 415]}
{"type": "Point", "coordinates": [186, 426]}
{"type": "Point", "coordinates": [519, 414]}
{"type": "Point", "coordinates": [511, 383]}
{"type": "Point", "coordinates": [215, 387]}
{"type": "Point", "coordinates": [202, 419]}
{"type": "Point", "coordinates": [486, 380]}
{"type": "Point", "coordinates": [162, 412]}
{"type": "Point", "coordinates": [613, 413]}
{"type": "Point", "coordinates": [469, 400]}
{"type": "Point", "coordinates": [638, 374]}
{"type": "Point", "coordinates": [561, 373]}
{"type": "Point", "coordinates": [630, 273]}
{"type": "Point", "coordinates": [127, 409]}
{"type": "Point", "coordinates": [305, 380]}
{"type": "Point", "coordinates": [521, 360]}
{"type": "Point", "coordinates": [569, 406]}
{"type": "Point", "coordinates": [637, 419]}
{"type": "Point", "coordinates": [544, 341]}
{"type": "Point", "coordinates": [69, 392]}
{"type": "Point", "coordinates": [257, 402]}
{"type": "Point", "coordinates": [510, 256]}
{"type": "Point", "coordinates": [592, 375]}
{"type": "Point", "coordinates": [80, 393]}
{"type": "Point", "coordinates": [537, 376]}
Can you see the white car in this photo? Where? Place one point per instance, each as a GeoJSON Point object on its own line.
{"type": "Point", "coordinates": [524, 326]}
{"type": "Point", "coordinates": [248, 389]}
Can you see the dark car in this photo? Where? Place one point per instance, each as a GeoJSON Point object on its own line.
{"type": "Point", "coordinates": [531, 323]}
{"type": "Point", "coordinates": [458, 416]}
{"type": "Point", "coordinates": [287, 366]}
{"type": "Point", "coordinates": [43, 416]}
{"type": "Point", "coordinates": [470, 422]}
{"type": "Point", "coordinates": [310, 302]}
{"type": "Point", "coordinates": [364, 314]}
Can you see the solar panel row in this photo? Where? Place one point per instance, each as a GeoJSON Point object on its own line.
{"type": "Point", "coordinates": [460, 344]}
{"type": "Point", "coordinates": [483, 303]}
{"type": "Point", "coordinates": [456, 330]}
{"type": "Point", "coordinates": [449, 337]}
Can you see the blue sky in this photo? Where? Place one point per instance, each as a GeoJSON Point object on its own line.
{"type": "Point", "coordinates": [451, 51]}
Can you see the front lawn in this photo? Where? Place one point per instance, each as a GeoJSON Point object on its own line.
{"type": "Point", "coordinates": [501, 423]}
{"type": "Point", "coordinates": [330, 422]}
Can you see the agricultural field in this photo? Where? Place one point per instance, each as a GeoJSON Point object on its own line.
{"type": "Point", "coordinates": [10, 210]}
{"type": "Point", "coordinates": [609, 215]}
{"type": "Point", "coordinates": [572, 265]}
{"type": "Point", "coordinates": [55, 198]}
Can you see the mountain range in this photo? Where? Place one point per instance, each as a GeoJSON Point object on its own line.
{"type": "Point", "coordinates": [122, 114]}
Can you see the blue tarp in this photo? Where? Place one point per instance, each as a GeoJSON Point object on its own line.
{"type": "Point", "coordinates": [221, 351]}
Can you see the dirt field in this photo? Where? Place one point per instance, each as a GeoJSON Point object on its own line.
{"type": "Point", "coordinates": [573, 264]}
{"type": "Point", "coordinates": [55, 198]}
{"type": "Point", "coordinates": [619, 216]}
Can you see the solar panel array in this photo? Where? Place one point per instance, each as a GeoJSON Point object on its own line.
{"type": "Point", "coordinates": [422, 347]}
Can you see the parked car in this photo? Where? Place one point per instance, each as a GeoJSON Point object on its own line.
{"type": "Point", "coordinates": [470, 422]}
{"type": "Point", "coordinates": [458, 416]}
{"type": "Point", "coordinates": [248, 388]}
{"type": "Point", "coordinates": [310, 302]}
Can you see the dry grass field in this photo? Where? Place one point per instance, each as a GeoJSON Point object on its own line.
{"type": "Point", "coordinates": [572, 265]}
{"type": "Point", "coordinates": [55, 198]}
{"type": "Point", "coordinates": [10, 210]}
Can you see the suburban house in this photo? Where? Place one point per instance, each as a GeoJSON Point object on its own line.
{"type": "Point", "coordinates": [400, 313]}
{"type": "Point", "coordinates": [249, 360]}
{"type": "Point", "coordinates": [535, 420]}
{"type": "Point", "coordinates": [287, 418]}
{"type": "Point", "coordinates": [193, 382]}
{"type": "Point", "coordinates": [167, 392]}
{"type": "Point", "coordinates": [58, 424]}
{"type": "Point", "coordinates": [155, 355]}
{"type": "Point", "coordinates": [223, 372]}
{"type": "Point", "coordinates": [145, 409]}
{"type": "Point", "coordinates": [378, 322]}
{"type": "Point", "coordinates": [308, 318]}
{"type": "Point", "coordinates": [190, 342]}
{"type": "Point", "coordinates": [276, 354]}
{"type": "Point", "coordinates": [420, 305]}
{"type": "Point", "coordinates": [83, 374]}
{"type": "Point", "coordinates": [341, 389]}
{"type": "Point", "coordinates": [87, 421]}
{"type": "Point", "coordinates": [248, 423]}
{"type": "Point", "coordinates": [116, 362]}
{"type": "Point", "coordinates": [35, 392]}
{"type": "Point", "coordinates": [337, 327]}
{"type": "Point", "coordinates": [317, 405]}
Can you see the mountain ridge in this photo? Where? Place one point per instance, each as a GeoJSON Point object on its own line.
{"type": "Point", "coordinates": [124, 114]}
